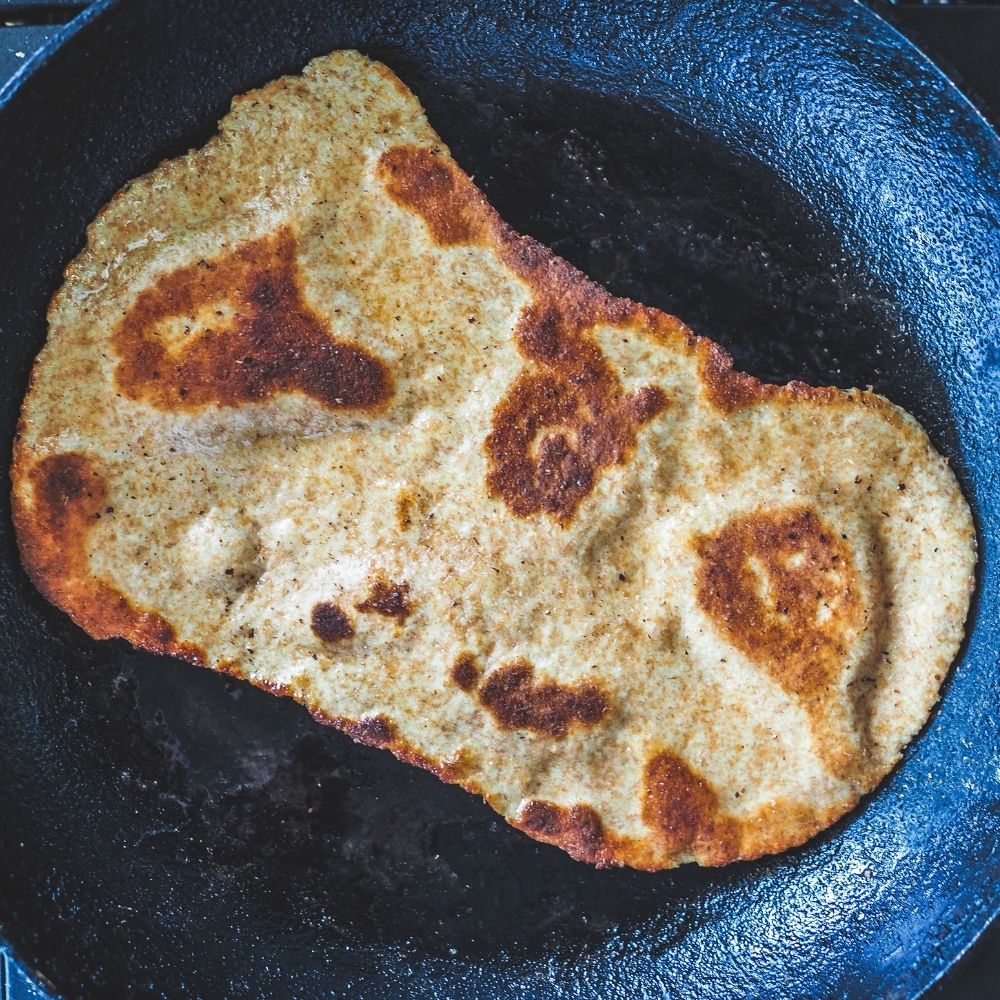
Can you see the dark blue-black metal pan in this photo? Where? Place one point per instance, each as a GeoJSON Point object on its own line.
{"type": "Point", "coordinates": [795, 181]}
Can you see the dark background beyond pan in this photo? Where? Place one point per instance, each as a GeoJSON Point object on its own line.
{"type": "Point", "coordinates": [800, 185]}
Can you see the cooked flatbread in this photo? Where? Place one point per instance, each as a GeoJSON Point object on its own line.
{"type": "Point", "coordinates": [311, 414]}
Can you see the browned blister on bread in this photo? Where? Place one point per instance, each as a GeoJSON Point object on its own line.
{"type": "Point", "coordinates": [310, 413]}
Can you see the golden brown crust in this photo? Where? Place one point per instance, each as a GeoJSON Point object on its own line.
{"type": "Point", "coordinates": [373, 731]}
{"type": "Point", "coordinates": [68, 495]}
{"type": "Point", "coordinates": [729, 390]}
{"type": "Point", "coordinates": [246, 334]}
{"type": "Point", "coordinates": [683, 814]}
{"type": "Point", "coordinates": [379, 731]}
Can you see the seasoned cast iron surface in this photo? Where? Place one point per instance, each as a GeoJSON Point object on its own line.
{"type": "Point", "coordinates": [799, 186]}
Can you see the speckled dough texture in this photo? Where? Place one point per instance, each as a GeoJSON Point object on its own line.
{"type": "Point", "coordinates": [310, 413]}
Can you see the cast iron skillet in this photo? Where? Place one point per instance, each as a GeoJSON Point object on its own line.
{"type": "Point", "coordinates": [799, 184]}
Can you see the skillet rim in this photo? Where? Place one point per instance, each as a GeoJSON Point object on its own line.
{"type": "Point", "coordinates": [99, 9]}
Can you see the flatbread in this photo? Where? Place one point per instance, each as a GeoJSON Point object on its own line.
{"type": "Point", "coordinates": [310, 413]}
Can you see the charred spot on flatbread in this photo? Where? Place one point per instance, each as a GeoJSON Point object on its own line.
{"type": "Point", "coordinates": [329, 622]}
{"type": "Point", "coordinates": [390, 600]}
{"type": "Point", "coordinates": [453, 208]}
{"type": "Point", "coordinates": [516, 701]}
{"type": "Point", "coordinates": [782, 587]}
{"type": "Point", "coordinates": [235, 330]}
{"type": "Point", "coordinates": [553, 435]}
{"type": "Point", "coordinates": [465, 671]}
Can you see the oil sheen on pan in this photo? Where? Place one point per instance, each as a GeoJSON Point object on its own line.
{"type": "Point", "coordinates": [310, 413]}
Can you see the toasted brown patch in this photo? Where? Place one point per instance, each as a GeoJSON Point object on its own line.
{"type": "Point", "coordinates": [390, 600]}
{"type": "Point", "coordinates": [548, 444]}
{"type": "Point", "coordinates": [516, 702]}
{"type": "Point", "coordinates": [683, 810]}
{"type": "Point", "coordinates": [405, 503]}
{"type": "Point", "coordinates": [246, 334]}
{"type": "Point", "coordinates": [434, 187]}
{"type": "Point", "coordinates": [465, 671]}
{"type": "Point", "coordinates": [69, 495]}
{"type": "Point", "coordinates": [330, 623]}
{"type": "Point", "coordinates": [577, 830]}
{"type": "Point", "coordinates": [568, 417]}
{"type": "Point", "coordinates": [782, 587]}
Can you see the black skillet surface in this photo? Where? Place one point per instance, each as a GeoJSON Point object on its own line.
{"type": "Point", "coordinates": [801, 185]}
